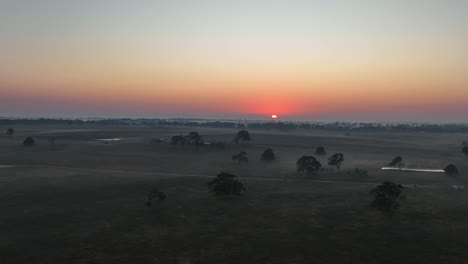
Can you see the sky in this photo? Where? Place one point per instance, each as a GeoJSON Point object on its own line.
{"type": "Point", "coordinates": [348, 60]}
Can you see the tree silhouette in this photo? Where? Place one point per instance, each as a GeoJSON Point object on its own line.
{"type": "Point", "coordinates": [308, 164]}
{"type": "Point", "coordinates": [242, 135]}
{"type": "Point", "coordinates": [320, 151]}
{"type": "Point", "coordinates": [29, 142]}
{"type": "Point", "coordinates": [241, 157]}
{"type": "Point", "coordinates": [226, 184]}
{"type": "Point", "coordinates": [387, 197]}
{"type": "Point", "coordinates": [336, 160]}
{"type": "Point", "coordinates": [10, 132]}
{"type": "Point", "coordinates": [451, 169]}
{"type": "Point", "coordinates": [397, 161]}
{"type": "Point", "coordinates": [195, 138]}
{"type": "Point", "coordinates": [465, 150]}
{"type": "Point", "coordinates": [268, 155]}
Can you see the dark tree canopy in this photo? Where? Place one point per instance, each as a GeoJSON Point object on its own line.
{"type": "Point", "coordinates": [226, 184]}
{"type": "Point", "coordinates": [268, 155]}
{"type": "Point", "coordinates": [28, 142]}
{"type": "Point", "coordinates": [10, 132]}
{"type": "Point", "coordinates": [320, 151]}
{"type": "Point", "coordinates": [155, 194]}
{"type": "Point", "coordinates": [242, 135]}
{"type": "Point", "coordinates": [397, 161]}
{"type": "Point", "coordinates": [308, 164]}
{"type": "Point", "coordinates": [451, 169]}
{"type": "Point", "coordinates": [387, 197]}
{"type": "Point", "coordinates": [241, 157]}
{"type": "Point", "coordinates": [195, 138]}
{"type": "Point", "coordinates": [336, 160]}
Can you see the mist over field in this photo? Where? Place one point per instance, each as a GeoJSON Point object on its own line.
{"type": "Point", "coordinates": [216, 131]}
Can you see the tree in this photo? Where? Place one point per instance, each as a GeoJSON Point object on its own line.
{"type": "Point", "coordinates": [451, 169]}
{"type": "Point", "coordinates": [397, 161]}
{"type": "Point", "coordinates": [241, 157]}
{"type": "Point", "coordinates": [465, 150]}
{"type": "Point", "coordinates": [336, 160]}
{"type": "Point", "coordinates": [387, 197]}
{"type": "Point", "coordinates": [308, 164]}
{"type": "Point", "coordinates": [10, 132]}
{"type": "Point", "coordinates": [155, 194]}
{"type": "Point", "coordinates": [226, 184]}
{"type": "Point", "coordinates": [242, 135]}
{"type": "Point", "coordinates": [29, 142]}
{"type": "Point", "coordinates": [268, 155]}
{"type": "Point", "coordinates": [195, 139]}
{"type": "Point", "coordinates": [320, 151]}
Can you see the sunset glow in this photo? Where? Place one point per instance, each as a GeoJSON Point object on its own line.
{"type": "Point", "coordinates": [302, 60]}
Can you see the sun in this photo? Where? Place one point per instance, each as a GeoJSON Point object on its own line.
{"type": "Point", "coordinates": [274, 116]}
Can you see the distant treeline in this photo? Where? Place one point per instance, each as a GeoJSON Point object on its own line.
{"type": "Point", "coordinates": [346, 127]}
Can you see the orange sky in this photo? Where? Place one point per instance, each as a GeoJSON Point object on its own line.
{"type": "Point", "coordinates": [393, 61]}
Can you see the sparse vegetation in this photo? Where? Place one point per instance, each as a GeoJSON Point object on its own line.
{"type": "Point", "coordinates": [240, 157]}
{"type": "Point", "coordinates": [268, 155]}
{"type": "Point", "coordinates": [358, 173]}
{"type": "Point", "coordinates": [387, 197]}
{"type": "Point", "coordinates": [336, 160]}
{"type": "Point", "coordinates": [226, 184]}
{"type": "Point", "coordinates": [242, 135]}
{"type": "Point", "coordinates": [29, 142]}
{"type": "Point", "coordinates": [308, 164]}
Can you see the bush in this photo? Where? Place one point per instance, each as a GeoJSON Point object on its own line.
{"type": "Point", "coordinates": [268, 155]}
{"type": "Point", "coordinates": [465, 150]}
{"type": "Point", "coordinates": [29, 142]}
{"type": "Point", "coordinates": [226, 184]}
{"type": "Point", "coordinates": [451, 170]}
{"type": "Point", "coordinates": [155, 194]}
{"type": "Point", "coordinates": [241, 157]}
{"type": "Point", "coordinates": [320, 151]}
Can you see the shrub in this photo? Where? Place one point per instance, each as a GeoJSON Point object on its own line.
{"type": "Point", "coordinates": [29, 142]}
{"type": "Point", "coordinates": [451, 169]}
{"type": "Point", "coordinates": [241, 157]}
{"type": "Point", "coordinates": [320, 151]}
{"type": "Point", "coordinates": [465, 150]}
{"type": "Point", "coordinates": [268, 155]}
{"type": "Point", "coordinates": [155, 194]}
{"type": "Point", "coordinates": [226, 184]}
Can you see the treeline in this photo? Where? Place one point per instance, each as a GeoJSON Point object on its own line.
{"type": "Point", "coordinates": [346, 127]}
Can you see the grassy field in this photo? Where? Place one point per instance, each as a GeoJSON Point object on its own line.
{"type": "Point", "coordinates": [82, 201]}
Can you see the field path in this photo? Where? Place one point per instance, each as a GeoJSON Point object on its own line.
{"type": "Point", "coordinates": [212, 176]}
